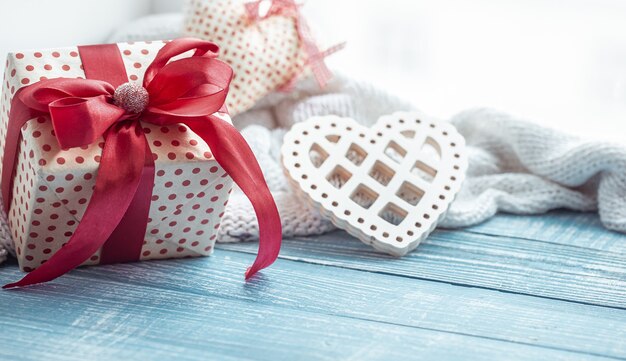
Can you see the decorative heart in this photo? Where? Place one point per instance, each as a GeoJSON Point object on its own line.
{"type": "Point", "coordinates": [264, 55]}
{"type": "Point", "coordinates": [389, 185]}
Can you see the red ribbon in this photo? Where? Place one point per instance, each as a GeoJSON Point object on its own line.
{"type": "Point", "coordinates": [187, 91]}
{"type": "Point", "coordinates": [315, 57]}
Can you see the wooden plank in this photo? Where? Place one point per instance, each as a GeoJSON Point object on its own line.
{"type": "Point", "coordinates": [78, 318]}
{"type": "Point", "coordinates": [347, 294]}
{"type": "Point", "coordinates": [502, 263]}
{"type": "Point", "coordinates": [398, 300]}
{"type": "Point", "coordinates": [561, 227]}
{"type": "Point", "coordinates": [266, 333]}
{"type": "Point", "coordinates": [45, 339]}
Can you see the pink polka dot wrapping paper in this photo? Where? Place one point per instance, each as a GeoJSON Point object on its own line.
{"type": "Point", "coordinates": [264, 55]}
{"type": "Point", "coordinates": [52, 186]}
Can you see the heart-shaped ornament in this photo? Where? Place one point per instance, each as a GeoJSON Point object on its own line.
{"type": "Point", "coordinates": [388, 185]}
{"type": "Point", "coordinates": [264, 55]}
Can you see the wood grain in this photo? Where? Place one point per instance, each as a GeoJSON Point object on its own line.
{"type": "Point", "coordinates": [115, 312]}
{"type": "Point", "coordinates": [462, 295]}
{"type": "Point", "coordinates": [392, 300]}
{"type": "Point", "coordinates": [501, 263]}
{"type": "Point", "coordinates": [563, 227]}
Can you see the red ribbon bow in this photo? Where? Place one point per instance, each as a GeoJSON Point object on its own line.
{"type": "Point", "coordinates": [187, 91]}
{"type": "Point", "coordinates": [315, 56]}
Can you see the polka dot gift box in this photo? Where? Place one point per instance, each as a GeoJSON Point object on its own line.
{"type": "Point", "coordinates": [161, 193]}
{"type": "Point", "coordinates": [267, 42]}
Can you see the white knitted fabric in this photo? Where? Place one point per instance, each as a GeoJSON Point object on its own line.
{"type": "Point", "coordinates": [6, 243]}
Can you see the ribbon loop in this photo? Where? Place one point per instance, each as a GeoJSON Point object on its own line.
{"type": "Point", "coordinates": [81, 121]}
{"type": "Point", "coordinates": [179, 91]}
{"type": "Point", "coordinates": [39, 95]}
{"type": "Point", "coordinates": [179, 47]}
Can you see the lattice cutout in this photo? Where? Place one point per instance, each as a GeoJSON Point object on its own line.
{"type": "Point", "coordinates": [356, 154]}
{"type": "Point", "coordinates": [388, 185]}
{"type": "Point", "coordinates": [317, 155]}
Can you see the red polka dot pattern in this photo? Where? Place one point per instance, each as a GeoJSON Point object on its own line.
{"type": "Point", "coordinates": [264, 55]}
{"type": "Point", "coordinates": [53, 186]}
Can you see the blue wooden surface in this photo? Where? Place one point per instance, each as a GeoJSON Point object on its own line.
{"type": "Point", "coordinates": [528, 288]}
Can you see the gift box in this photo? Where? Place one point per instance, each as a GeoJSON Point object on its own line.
{"type": "Point", "coordinates": [53, 186]}
{"type": "Point", "coordinates": [267, 46]}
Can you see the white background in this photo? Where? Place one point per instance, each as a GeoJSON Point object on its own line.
{"type": "Point", "coordinates": [559, 63]}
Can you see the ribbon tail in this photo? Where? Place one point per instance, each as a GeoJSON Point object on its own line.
{"type": "Point", "coordinates": [126, 241]}
{"type": "Point", "coordinates": [233, 153]}
{"type": "Point", "coordinates": [119, 175]}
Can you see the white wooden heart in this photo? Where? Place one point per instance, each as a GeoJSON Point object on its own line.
{"type": "Point", "coordinates": [388, 185]}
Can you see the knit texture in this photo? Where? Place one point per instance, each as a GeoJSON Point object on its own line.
{"type": "Point", "coordinates": [6, 242]}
